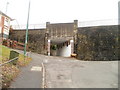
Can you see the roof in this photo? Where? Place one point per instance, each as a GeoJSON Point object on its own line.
{"type": "Point", "coordinates": [5, 15]}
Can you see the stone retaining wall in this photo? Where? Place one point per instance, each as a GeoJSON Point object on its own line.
{"type": "Point", "coordinates": [98, 43]}
{"type": "Point", "coordinates": [36, 39]}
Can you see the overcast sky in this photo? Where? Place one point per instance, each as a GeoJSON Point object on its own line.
{"type": "Point", "coordinates": [58, 11]}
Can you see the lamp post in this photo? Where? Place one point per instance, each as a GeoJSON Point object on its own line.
{"type": "Point", "coordinates": [26, 37]}
{"type": "Point", "coordinates": [6, 7]}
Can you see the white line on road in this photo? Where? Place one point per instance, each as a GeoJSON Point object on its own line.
{"type": "Point", "coordinates": [43, 74]}
{"type": "Point", "coordinates": [36, 68]}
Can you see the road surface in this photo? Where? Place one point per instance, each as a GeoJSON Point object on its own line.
{"type": "Point", "coordinates": [62, 72]}
{"type": "Point", "coordinates": [72, 73]}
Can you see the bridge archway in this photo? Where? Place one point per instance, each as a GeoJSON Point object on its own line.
{"type": "Point", "coordinates": [63, 36]}
{"type": "Point", "coordinates": [60, 47]}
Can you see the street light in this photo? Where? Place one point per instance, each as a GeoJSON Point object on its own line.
{"type": "Point", "coordinates": [26, 37]}
{"type": "Point", "coordinates": [6, 7]}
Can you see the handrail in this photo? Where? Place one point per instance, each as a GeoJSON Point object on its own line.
{"type": "Point", "coordinates": [9, 61]}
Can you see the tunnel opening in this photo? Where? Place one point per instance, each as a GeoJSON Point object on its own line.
{"type": "Point", "coordinates": [60, 47]}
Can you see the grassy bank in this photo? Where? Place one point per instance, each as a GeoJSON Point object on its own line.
{"type": "Point", "coordinates": [10, 71]}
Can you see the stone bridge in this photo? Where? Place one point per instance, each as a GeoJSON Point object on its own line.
{"type": "Point", "coordinates": [61, 35]}
{"type": "Point", "coordinates": [63, 39]}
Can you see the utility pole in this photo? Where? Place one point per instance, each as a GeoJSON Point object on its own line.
{"type": "Point", "coordinates": [26, 37]}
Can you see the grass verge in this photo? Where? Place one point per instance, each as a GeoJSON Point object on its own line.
{"type": "Point", "coordinates": [10, 71]}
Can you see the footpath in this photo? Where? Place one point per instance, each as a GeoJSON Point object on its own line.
{"type": "Point", "coordinates": [30, 76]}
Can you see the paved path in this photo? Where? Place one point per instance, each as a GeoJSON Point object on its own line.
{"type": "Point", "coordinates": [31, 75]}
{"type": "Point", "coordinates": [71, 73]}
{"type": "Point", "coordinates": [67, 73]}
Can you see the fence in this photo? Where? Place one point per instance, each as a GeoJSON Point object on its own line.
{"type": "Point", "coordinates": [80, 24]}
{"type": "Point", "coordinates": [31, 26]}
{"type": "Point", "coordinates": [9, 61]}
{"type": "Point", "coordinates": [14, 44]}
{"type": "Point", "coordinates": [98, 23]}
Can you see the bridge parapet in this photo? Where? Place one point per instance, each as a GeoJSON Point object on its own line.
{"type": "Point", "coordinates": [61, 29]}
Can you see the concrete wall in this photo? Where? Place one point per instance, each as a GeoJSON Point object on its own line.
{"type": "Point", "coordinates": [65, 51]}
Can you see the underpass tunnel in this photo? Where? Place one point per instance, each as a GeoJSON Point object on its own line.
{"type": "Point", "coordinates": [63, 47]}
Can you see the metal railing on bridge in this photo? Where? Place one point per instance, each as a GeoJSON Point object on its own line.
{"type": "Point", "coordinates": [31, 26]}
{"type": "Point", "coordinates": [80, 24]}
{"type": "Point", "coordinates": [98, 23]}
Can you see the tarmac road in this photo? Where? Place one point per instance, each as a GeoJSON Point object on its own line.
{"type": "Point", "coordinates": [72, 73]}
{"type": "Point", "coordinates": [67, 73]}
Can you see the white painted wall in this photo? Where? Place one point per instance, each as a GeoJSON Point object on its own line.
{"type": "Point", "coordinates": [65, 51]}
